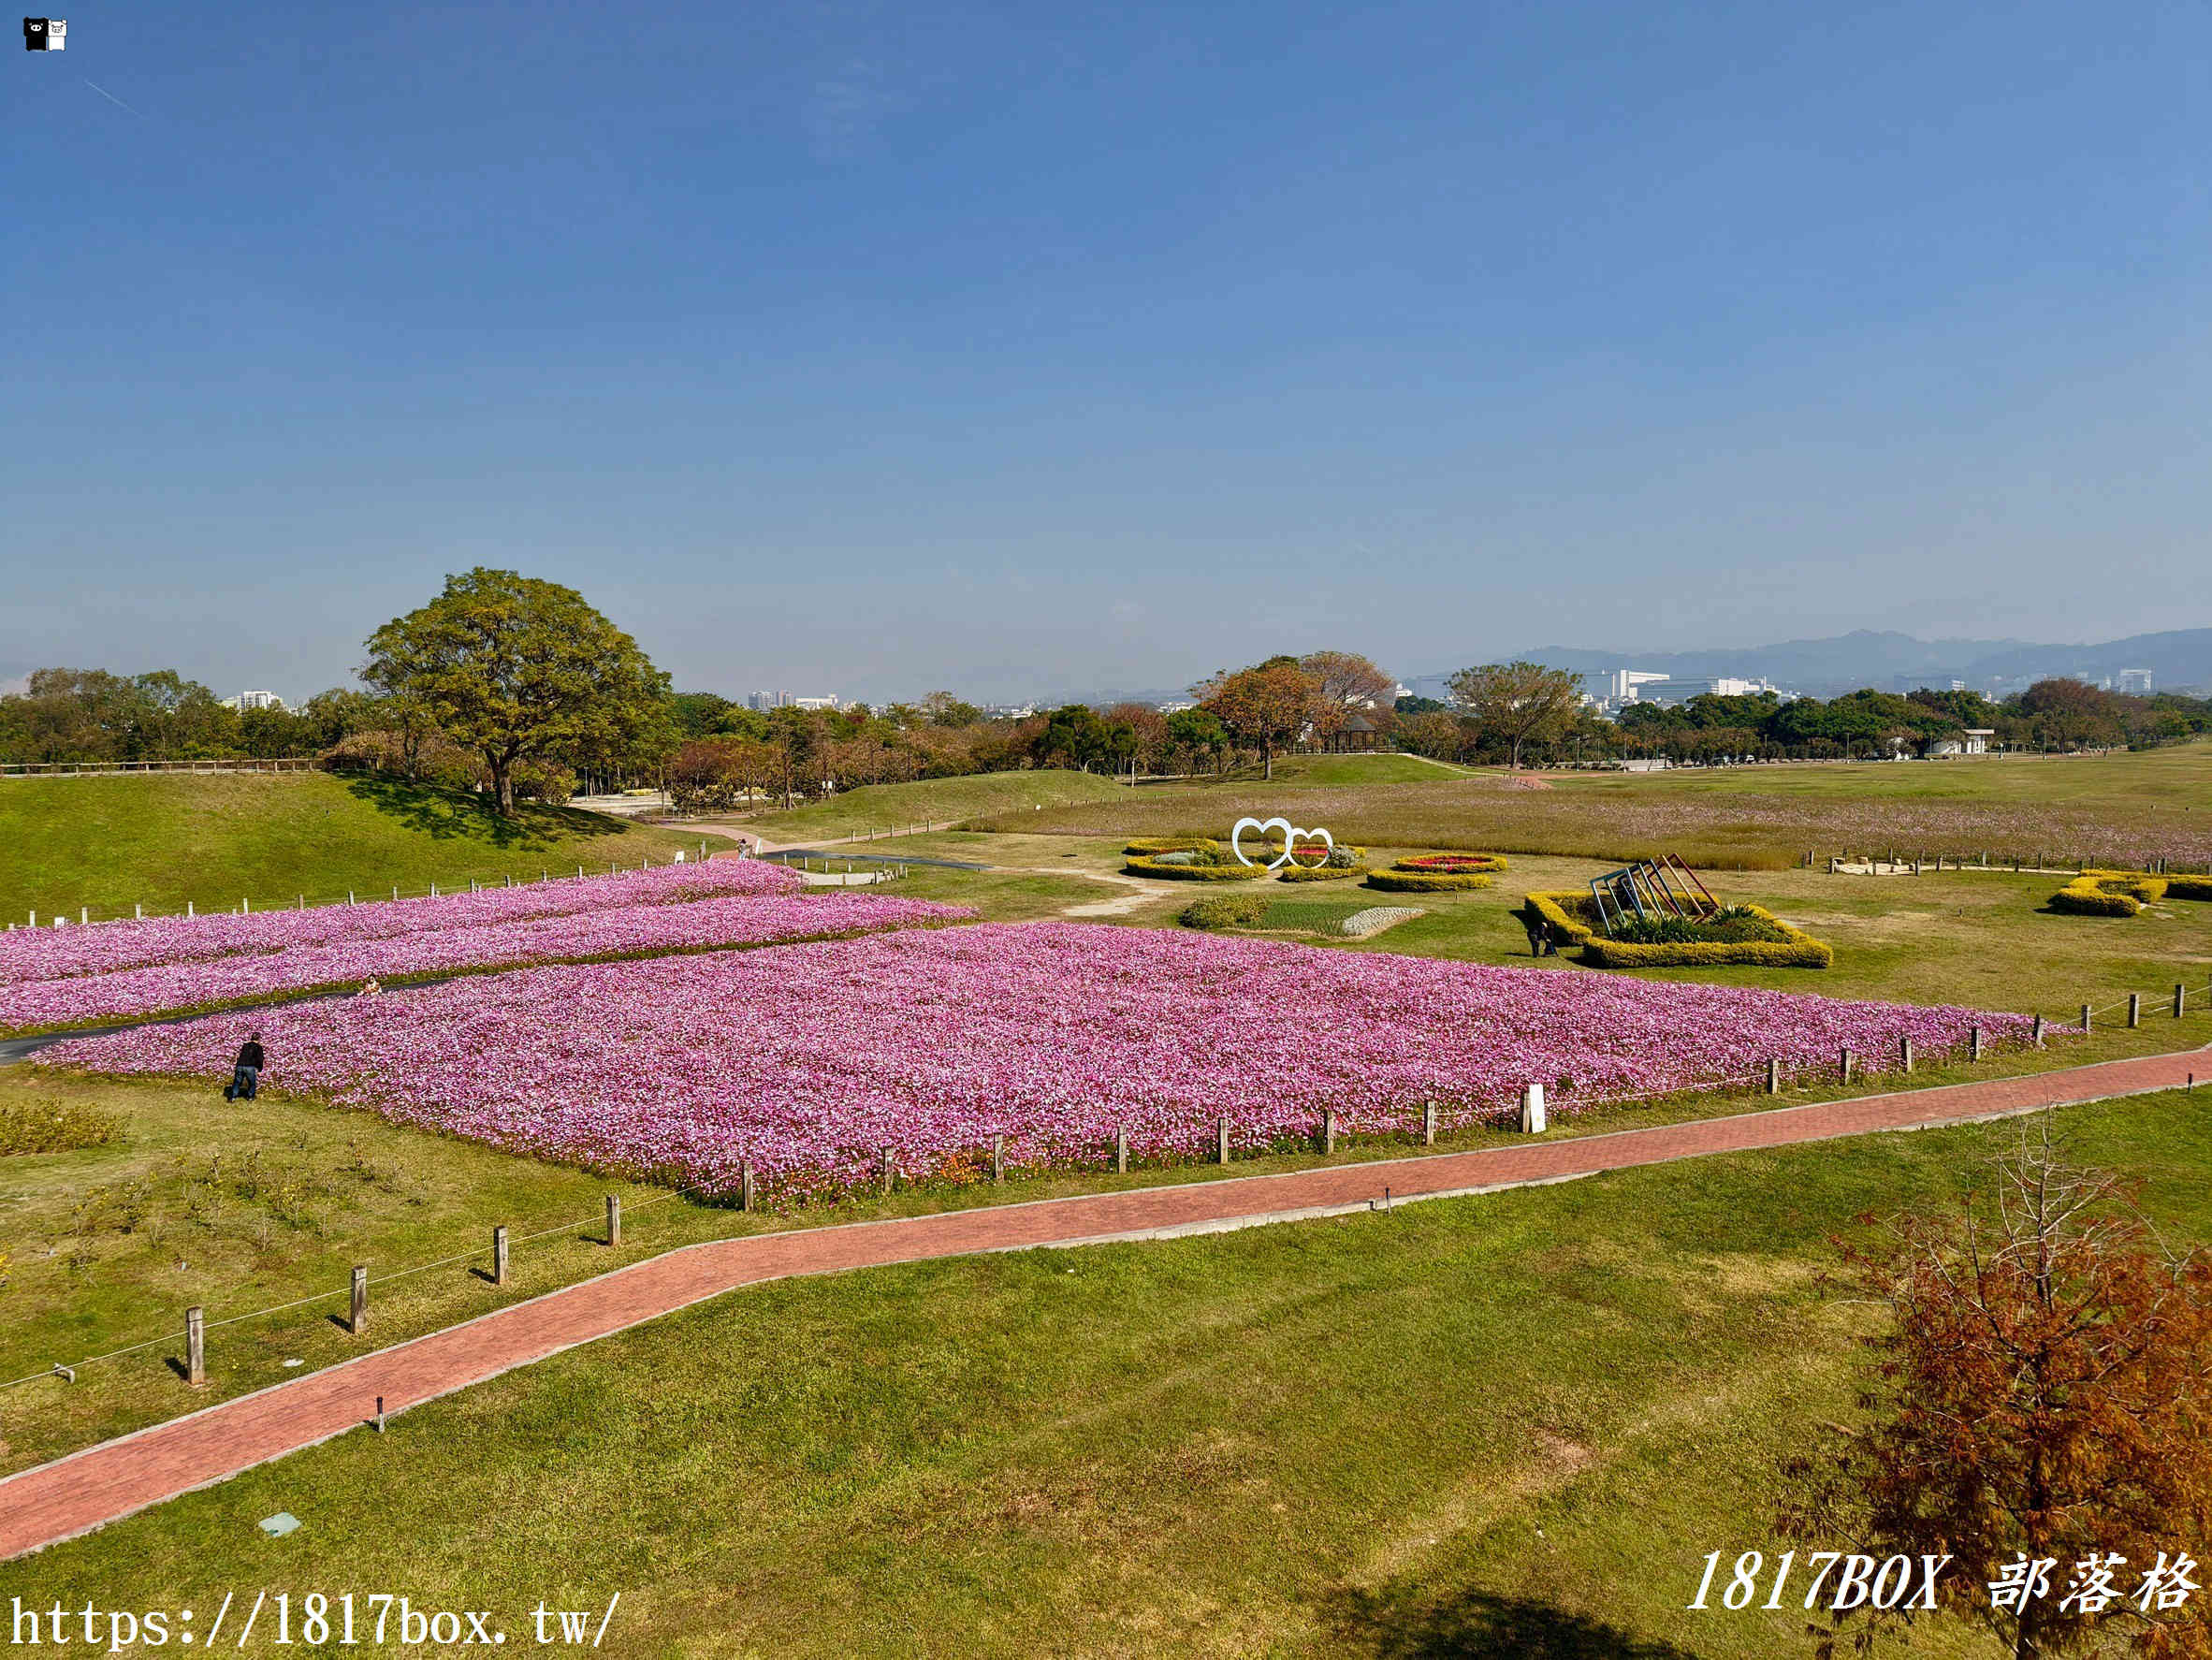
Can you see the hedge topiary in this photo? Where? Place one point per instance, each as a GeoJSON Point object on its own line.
{"type": "Point", "coordinates": [2095, 892]}
{"type": "Point", "coordinates": [1145, 865]}
{"type": "Point", "coordinates": [1423, 882]}
{"type": "Point", "coordinates": [1170, 844]}
{"type": "Point", "coordinates": [1319, 872]}
{"type": "Point", "coordinates": [1572, 917]}
{"type": "Point", "coordinates": [1231, 910]}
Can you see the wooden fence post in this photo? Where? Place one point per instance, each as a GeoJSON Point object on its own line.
{"type": "Point", "coordinates": [1428, 1124]}
{"type": "Point", "coordinates": [614, 1219]}
{"type": "Point", "coordinates": [2134, 1010]}
{"type": "Point", "coordinates": [1844, 1064]}
{"type": "Point", "coordinates": [1221, 1139]}
{"type": "Point", "coordinates": [745, 1194]}
{"type": "Point", "coordinates": [2037, 1036]}
{"type": "Point", "coordinates": [1121, 1151]}
{"type": "Point", "coordinates": [195, 1345]}
{"type": "Point", "coordinates": [499, 1255]}
{"type": "Point", "coordinates": [887, 1171]}
{"type": "Point", "coordinates": [2084, 1017]}
{"type": "Point", "coordinates": [998, 1159]}
{"type": "Point", "coordinates": [2180, 999]}
{"type": "Point", "coordinates": [1973, 1044]}
{"type": "Point", "coordinates": [1774, 1074]}
{"type": "Point", "coordinates": [358, 1317]}
{"type": "Point", "coordinates": [1904, 1052]}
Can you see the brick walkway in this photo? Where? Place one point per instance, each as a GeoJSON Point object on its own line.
{"type": "Point", "coordinates": [99, 1485]}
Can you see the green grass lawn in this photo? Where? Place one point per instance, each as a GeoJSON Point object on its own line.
{"type": "Point", "coordinates": [893, 807]}
{"type": "Point", "coordinates": [109, 843]}
{"type": "Point", "coordinates": [2103, 808]}
{"type": "Point", "coordinates": [1504, 1426]}
{"type": "Point", "coordinates": [1334, 770]}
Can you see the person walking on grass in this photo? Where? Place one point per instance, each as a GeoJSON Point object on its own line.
{"type": "Point", "coordinates": [245, 1076]}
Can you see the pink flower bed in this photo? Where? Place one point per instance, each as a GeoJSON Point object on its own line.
{"type": "Point", "coordinates": [642, 930]}
{"type": "Point", "coordinates": [807, 1061]}
{"type": "Point", "coordinates": [103, 948]}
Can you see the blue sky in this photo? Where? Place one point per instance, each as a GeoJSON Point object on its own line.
{"type": "Point", "coordinates": [874, 348]}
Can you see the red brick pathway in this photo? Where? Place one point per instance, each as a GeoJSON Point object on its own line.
{"type": "Point", "coordinates": [100, 1484]}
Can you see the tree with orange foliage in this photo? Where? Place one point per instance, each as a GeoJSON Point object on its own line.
{"type": "Point", "coordinates": [2040, 1412]}
{"type": "Point", "coordinates": [1266, 706]}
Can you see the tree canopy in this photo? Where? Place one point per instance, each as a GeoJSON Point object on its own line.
{"type": "Point", "coordinates": [516, 669]}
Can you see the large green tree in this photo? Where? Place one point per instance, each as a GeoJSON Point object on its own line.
{"type": "Point", "coordinates": [515, 670]}
{"type": "Point", "coordinates": [1516, 703]}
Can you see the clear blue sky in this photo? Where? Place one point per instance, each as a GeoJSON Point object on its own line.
{"type": "Point", "coordinates": [876, 347]}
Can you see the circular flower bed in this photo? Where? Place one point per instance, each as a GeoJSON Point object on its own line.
{"type": "Point", "coordinates": [1452, 864]}
{"type": "Point", "coordinates": [1425, 881]}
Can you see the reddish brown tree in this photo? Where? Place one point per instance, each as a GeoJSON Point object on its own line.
{"type": "Point", "coordinates": [1266, 706]}
{"type": "Point", "coordinates": [1347, 684]}
{"type": "Point", "coordinates": [2040, 1411]}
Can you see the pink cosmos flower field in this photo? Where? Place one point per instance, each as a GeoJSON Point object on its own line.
{"type": "Point", "coordinates": [104, 948]}
{"type": "Point", "coordinates": [639, 930]}
{"type": "Point", "coordinates": [807, 1061]}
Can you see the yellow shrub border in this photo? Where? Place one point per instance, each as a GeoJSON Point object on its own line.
{"type": "Point", "coordinates": [2125, 893]}
{"type": "Point", "coordinates": [1146, 845]}
{"type": "Point", "coordinates": [1800, 951]}
{"type": "Point", "coordinates": [1423, 882]}
{"type": "Point", "coordinates": [1142, 865]}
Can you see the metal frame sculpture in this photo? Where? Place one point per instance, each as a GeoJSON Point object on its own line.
{"type": "Point", "coordinates": [1651, 888]}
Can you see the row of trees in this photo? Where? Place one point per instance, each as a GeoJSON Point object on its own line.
{"type": "Point", "coordinates": [520, 688]}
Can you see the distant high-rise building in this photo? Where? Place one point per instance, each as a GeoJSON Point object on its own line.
{"type": "Point", "coordinates": [2135, 681]}
{"type": "Point", "coordinates": [254, 700]}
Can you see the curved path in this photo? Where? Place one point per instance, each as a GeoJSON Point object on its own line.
{"type": "Point", "coordinates": [88, 1488]}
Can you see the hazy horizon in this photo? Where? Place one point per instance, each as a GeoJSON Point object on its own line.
{"type": "Point", "coordinates": [860, 349]}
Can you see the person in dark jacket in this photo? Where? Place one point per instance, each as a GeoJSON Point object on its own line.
{"type": "Point", "coordinates": [246, 1075]}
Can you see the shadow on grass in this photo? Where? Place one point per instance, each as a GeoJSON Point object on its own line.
{"type": "Point", "coordinates": [462, 815]}
{"type": "Point", "coordinates": [1399, 1622]}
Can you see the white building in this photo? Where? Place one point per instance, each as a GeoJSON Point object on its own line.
{"type": "Point", "coordinates": [255, 700]}
{"type": "Point", "coordinates": [2135, 681]}
{"type": "Point", "coordinates": [1617, 685]}
{"type": "Point", "coordinates": [784, 700]}
{"type": "Point", "coordinates": [1668, 690]}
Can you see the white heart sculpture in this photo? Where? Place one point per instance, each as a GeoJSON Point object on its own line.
{"type": "Point", "coordinates": [1290, 837]}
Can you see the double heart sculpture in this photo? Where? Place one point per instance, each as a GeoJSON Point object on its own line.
{"type": "Point", "coordinates": [1290, 839]}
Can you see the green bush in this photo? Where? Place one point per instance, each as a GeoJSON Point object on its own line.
{"type": "Point", "coordinates": [1421, 881]}
{"type": "Point", "coordinates": [1736, 925]}
{"type": "Point", "coordinates": [1147, 865]}
{"type": "Point", "coordinates": [2189, 887]}
{"type": "Point", "coordinates": [1171, 844]}
{"type": "Point", "coordinates": [1319, 872]}
{"type": "Point", "coordinates": [51, 1126]}
{"type": "Point", "coordinates": [1237, 910]}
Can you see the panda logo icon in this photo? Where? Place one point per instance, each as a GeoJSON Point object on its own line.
{"type": "Point", "coordinates": [44, 34]}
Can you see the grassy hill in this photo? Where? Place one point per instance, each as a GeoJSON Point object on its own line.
{"type": "Point", "coordinates": [109, 843]}
{"type": "Point", "coordinates": [2117, 809]}
{"type": "Point", "coordinates": [933, 801]}
{"type": "Point", "coordinates": [1480, 1427]}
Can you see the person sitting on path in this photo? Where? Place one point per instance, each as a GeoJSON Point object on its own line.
{"type": "Point", "coordinates": [245, 1076]}
{"type": "Point", "coordinates": [368, 988]}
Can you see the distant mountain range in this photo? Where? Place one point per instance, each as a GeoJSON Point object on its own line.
{"type": "Point", "coordinates": [2178, 659]}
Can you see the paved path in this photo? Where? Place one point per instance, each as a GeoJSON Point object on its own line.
{"type": "Point", "coordinates": [88, 1488]}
